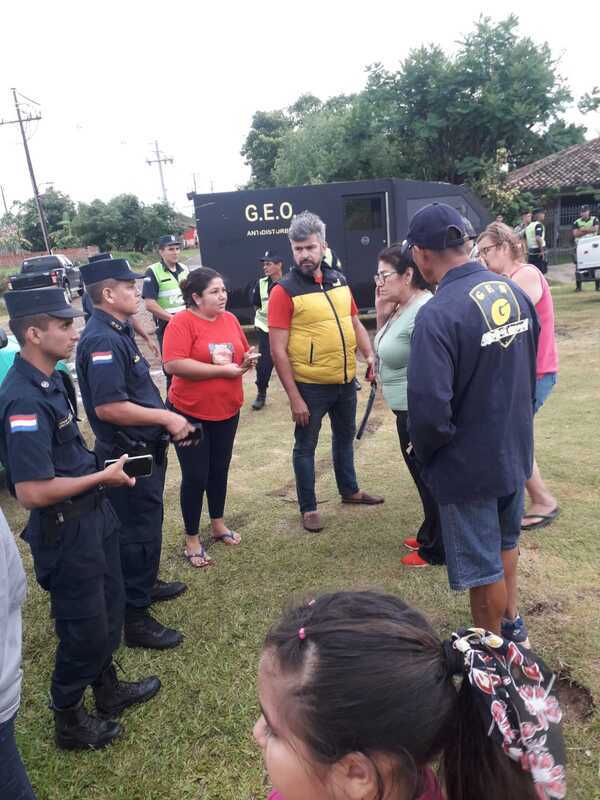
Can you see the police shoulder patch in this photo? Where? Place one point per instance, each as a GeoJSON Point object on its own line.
{"type": "Point", "coordinates": [102, 357]}
{"type": "Point", "coordinates": [21, 423]}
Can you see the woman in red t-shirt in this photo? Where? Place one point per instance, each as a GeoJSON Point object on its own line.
{"type": "Point", "coordinates": [206, 352]}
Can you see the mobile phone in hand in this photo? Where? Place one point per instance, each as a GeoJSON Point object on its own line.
{"type": "Point", "coordinates": [135, 466]}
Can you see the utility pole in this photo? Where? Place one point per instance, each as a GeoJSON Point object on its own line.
{"type": "Point", "coordinates": [3, 199]}
{"type": "Point", "coordinates": [36, 193]}
{"type": "Point", "coordinates": [160, 160]}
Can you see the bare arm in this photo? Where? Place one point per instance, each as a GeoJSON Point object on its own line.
{"type": "Point", "coordinates": [194, 370]}
{"type": "Point", "coordinates": [39, 494]}
{"type": "Point", "coordinates": [143, 334]}
{"type": "Point", "coordinates": [125, 413]}
{"type": "Point", "coordinates": [153, 307]}
{"type": "Point", "coordinates": [362, 339]}
{"type": "Point", "coordinates": [383, 309]}
{"type": "Point", "coordinates": [528, 279]}
{"type": "Point", "coordinates": [278, 340]}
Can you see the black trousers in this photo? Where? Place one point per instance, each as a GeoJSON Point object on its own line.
{"type": "Point", "coordinates": [264, 367]}
{"type": "Point", "coordinates": [205, 468]}
{"type": "Point", "coordinates": [538, 261]}
{"type": "Point", "coordinates": [140, 512]}
{"type": "Point", "coordinates": [429, 535]}
{"type": "Point", "coordinates": [82, 572]}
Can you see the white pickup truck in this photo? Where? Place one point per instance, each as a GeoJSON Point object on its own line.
{"type": "Point", "coordinates": [587, 267]}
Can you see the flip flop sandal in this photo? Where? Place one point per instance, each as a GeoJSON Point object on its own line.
{"type": "Point", "coordinates": [208, 561]}
{"type": "Point", "coordinates": [227, 537]}
{"type": "Point", "coordinates": [544, 520]}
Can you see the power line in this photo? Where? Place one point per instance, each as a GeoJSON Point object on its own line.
{"type": "Point", "coordinates": [160, 160]}
{"type": "Point", "coordinates": [20, 120]}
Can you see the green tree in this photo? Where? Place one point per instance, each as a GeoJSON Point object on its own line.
{"type": "Point", "coordinates": [438, 117]}
{"type": "Point", "coordinates": [261, 148]}
{"type": "Point", "coordinates": [58, 208]}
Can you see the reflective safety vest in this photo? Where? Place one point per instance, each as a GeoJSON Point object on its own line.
{"type": "Point", "coordinates": [584, 224]}
{"type": "Point", "coordinates": [261, 316]}
{"type": "Point", "coordinates": [532, 243]}
{"type": "Point", "coordinates": [169, 292]}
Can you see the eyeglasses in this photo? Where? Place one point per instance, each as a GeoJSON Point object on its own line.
{"type": "Point", "coordinates": [380, 277]}
{"type": "Point", "coordinates": [483, 251]}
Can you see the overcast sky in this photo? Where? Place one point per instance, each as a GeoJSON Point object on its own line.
{"type": "Point", "coordinates": [113, 77]}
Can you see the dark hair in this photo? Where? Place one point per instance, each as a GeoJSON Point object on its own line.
{"type": "Point", "coordinates": [95, 290]}
{"type": "Point", "coordinates": [372, 677]}
{"type": "Point", "coordinates": [400, 260]}
{"type": "Point", "coordinates": [19, 326]}
{"type": "Point", "coordinates": [196, 282]}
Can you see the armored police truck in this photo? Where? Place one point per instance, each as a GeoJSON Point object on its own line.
{"type": "Point", "coordinates": [362, 217]}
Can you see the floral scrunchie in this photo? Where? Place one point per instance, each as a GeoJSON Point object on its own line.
{"type": "Point", "coordinates": [515, 687]}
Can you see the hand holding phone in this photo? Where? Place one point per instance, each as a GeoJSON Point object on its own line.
{"type": "Point", "coordinates": [134, 466]}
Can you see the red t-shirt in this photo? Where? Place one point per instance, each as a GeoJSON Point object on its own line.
{"type": "Point", "coordinates": [219, 341]}
{"type": "Point", "coordinates": [281, 307]}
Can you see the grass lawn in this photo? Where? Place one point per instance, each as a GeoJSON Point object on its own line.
{"type": "Point", "coordinates": [194, 740]}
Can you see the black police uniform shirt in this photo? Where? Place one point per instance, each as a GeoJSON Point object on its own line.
{"type": "Point", "coordinates": [471, 386]}
{"type": "Point", "coordinates": [111, 369]}
{"type": "Point", "coordinates": [39, 436]}
{"type": "Point", "coordinates": [150, 291]}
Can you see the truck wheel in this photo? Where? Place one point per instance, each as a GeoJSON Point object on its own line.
{"type": "Point", "coordinates": [67, 288]}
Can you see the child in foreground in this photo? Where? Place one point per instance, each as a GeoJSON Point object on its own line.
{"type": "Point", "coordinates": [359, 697]}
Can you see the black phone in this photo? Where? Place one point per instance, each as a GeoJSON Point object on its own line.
{"type": "Point", "coordinates": [135, 466]}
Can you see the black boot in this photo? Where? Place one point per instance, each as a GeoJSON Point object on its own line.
{"type": "Point", "coordinates": [162, 590]}
{"type": "Point", "coordinates": [142, 630]}
{"type": "Point", "coordinates": [259, 403]}
{"type": "Point", "coordinates": [114, 696]}
{"type": "Point", "coordinates": [75, 729]}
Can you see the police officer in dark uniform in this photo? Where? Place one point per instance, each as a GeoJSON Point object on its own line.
{"type": "Point", "coordinates": [88, 310]}
{"type": "Point", "coordinates": [72, 529]}
{"type": "Point", "coordinates": [127, 415]}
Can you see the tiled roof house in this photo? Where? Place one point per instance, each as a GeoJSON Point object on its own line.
{"type": "Point", "coordinates": [574, 168]}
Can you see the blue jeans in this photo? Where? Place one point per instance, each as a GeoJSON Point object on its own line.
{"type": "Point", "coordinates": [475, 534]}
{"type": "Point", "coordinates": [339, 401]}
{"type": "Point", "coordinates": [543, 387]}
{"type": "Point", "coordinates": [14, 783]}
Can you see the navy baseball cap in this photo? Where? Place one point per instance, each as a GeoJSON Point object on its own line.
{"type": "Point", "coordinates": [271, 255]}
{"type": "Point", "coordinates": [437, 227]}
{"type": "Point", "coordinates": [53, 301]}
{"type": "Point", "coordinates": [165, 241]}
{"type": "Point", "coordinates": [103, 269]}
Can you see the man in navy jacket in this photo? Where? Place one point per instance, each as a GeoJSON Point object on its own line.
{"type": "Point", "coordinates": [471, 382]}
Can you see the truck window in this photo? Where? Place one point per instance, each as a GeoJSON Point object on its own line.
{"type": "Point", "coordinates": [363, 213]}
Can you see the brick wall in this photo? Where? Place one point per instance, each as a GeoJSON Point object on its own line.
{"type": "Point", "coordinates": [75, 254]}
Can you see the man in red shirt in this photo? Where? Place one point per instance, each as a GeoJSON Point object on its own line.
{"type": "Point", "coordinates": [313, 332]}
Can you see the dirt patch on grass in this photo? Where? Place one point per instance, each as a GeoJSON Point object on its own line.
{"type": "Point", "coordinates": [576, 700]}
{"type": "Point", "coordinates": [546, 607]}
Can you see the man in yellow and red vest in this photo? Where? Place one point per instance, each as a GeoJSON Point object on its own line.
{"type": "Point", "coordinates": [314, 331]}
{"type": "Point", "coordinates": [161, 291]}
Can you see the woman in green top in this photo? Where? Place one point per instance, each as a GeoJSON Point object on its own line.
{"type": "Point", "coordinates": [400, 292]}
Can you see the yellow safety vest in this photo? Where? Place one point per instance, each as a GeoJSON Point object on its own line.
{"type": "Point", "coordinates": [532, 243]}
{"type": "Point", "coordinates": [261, 316]}
{"type": "Point", "coordinates": [169, 291]}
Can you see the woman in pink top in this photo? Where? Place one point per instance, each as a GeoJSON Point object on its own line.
{"type": "Point", "coordinates": [500, 249]}
{"type": "Point", "coordinates": [359, 697]}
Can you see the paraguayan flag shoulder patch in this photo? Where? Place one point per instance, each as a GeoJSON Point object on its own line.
{"type": "Point", "coordinates": [102, 357]}
{"type": "Point", "coordinates": [23, 422]}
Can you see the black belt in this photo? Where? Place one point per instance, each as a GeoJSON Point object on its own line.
{"type": "Point", "coordinates": [54, 517]}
